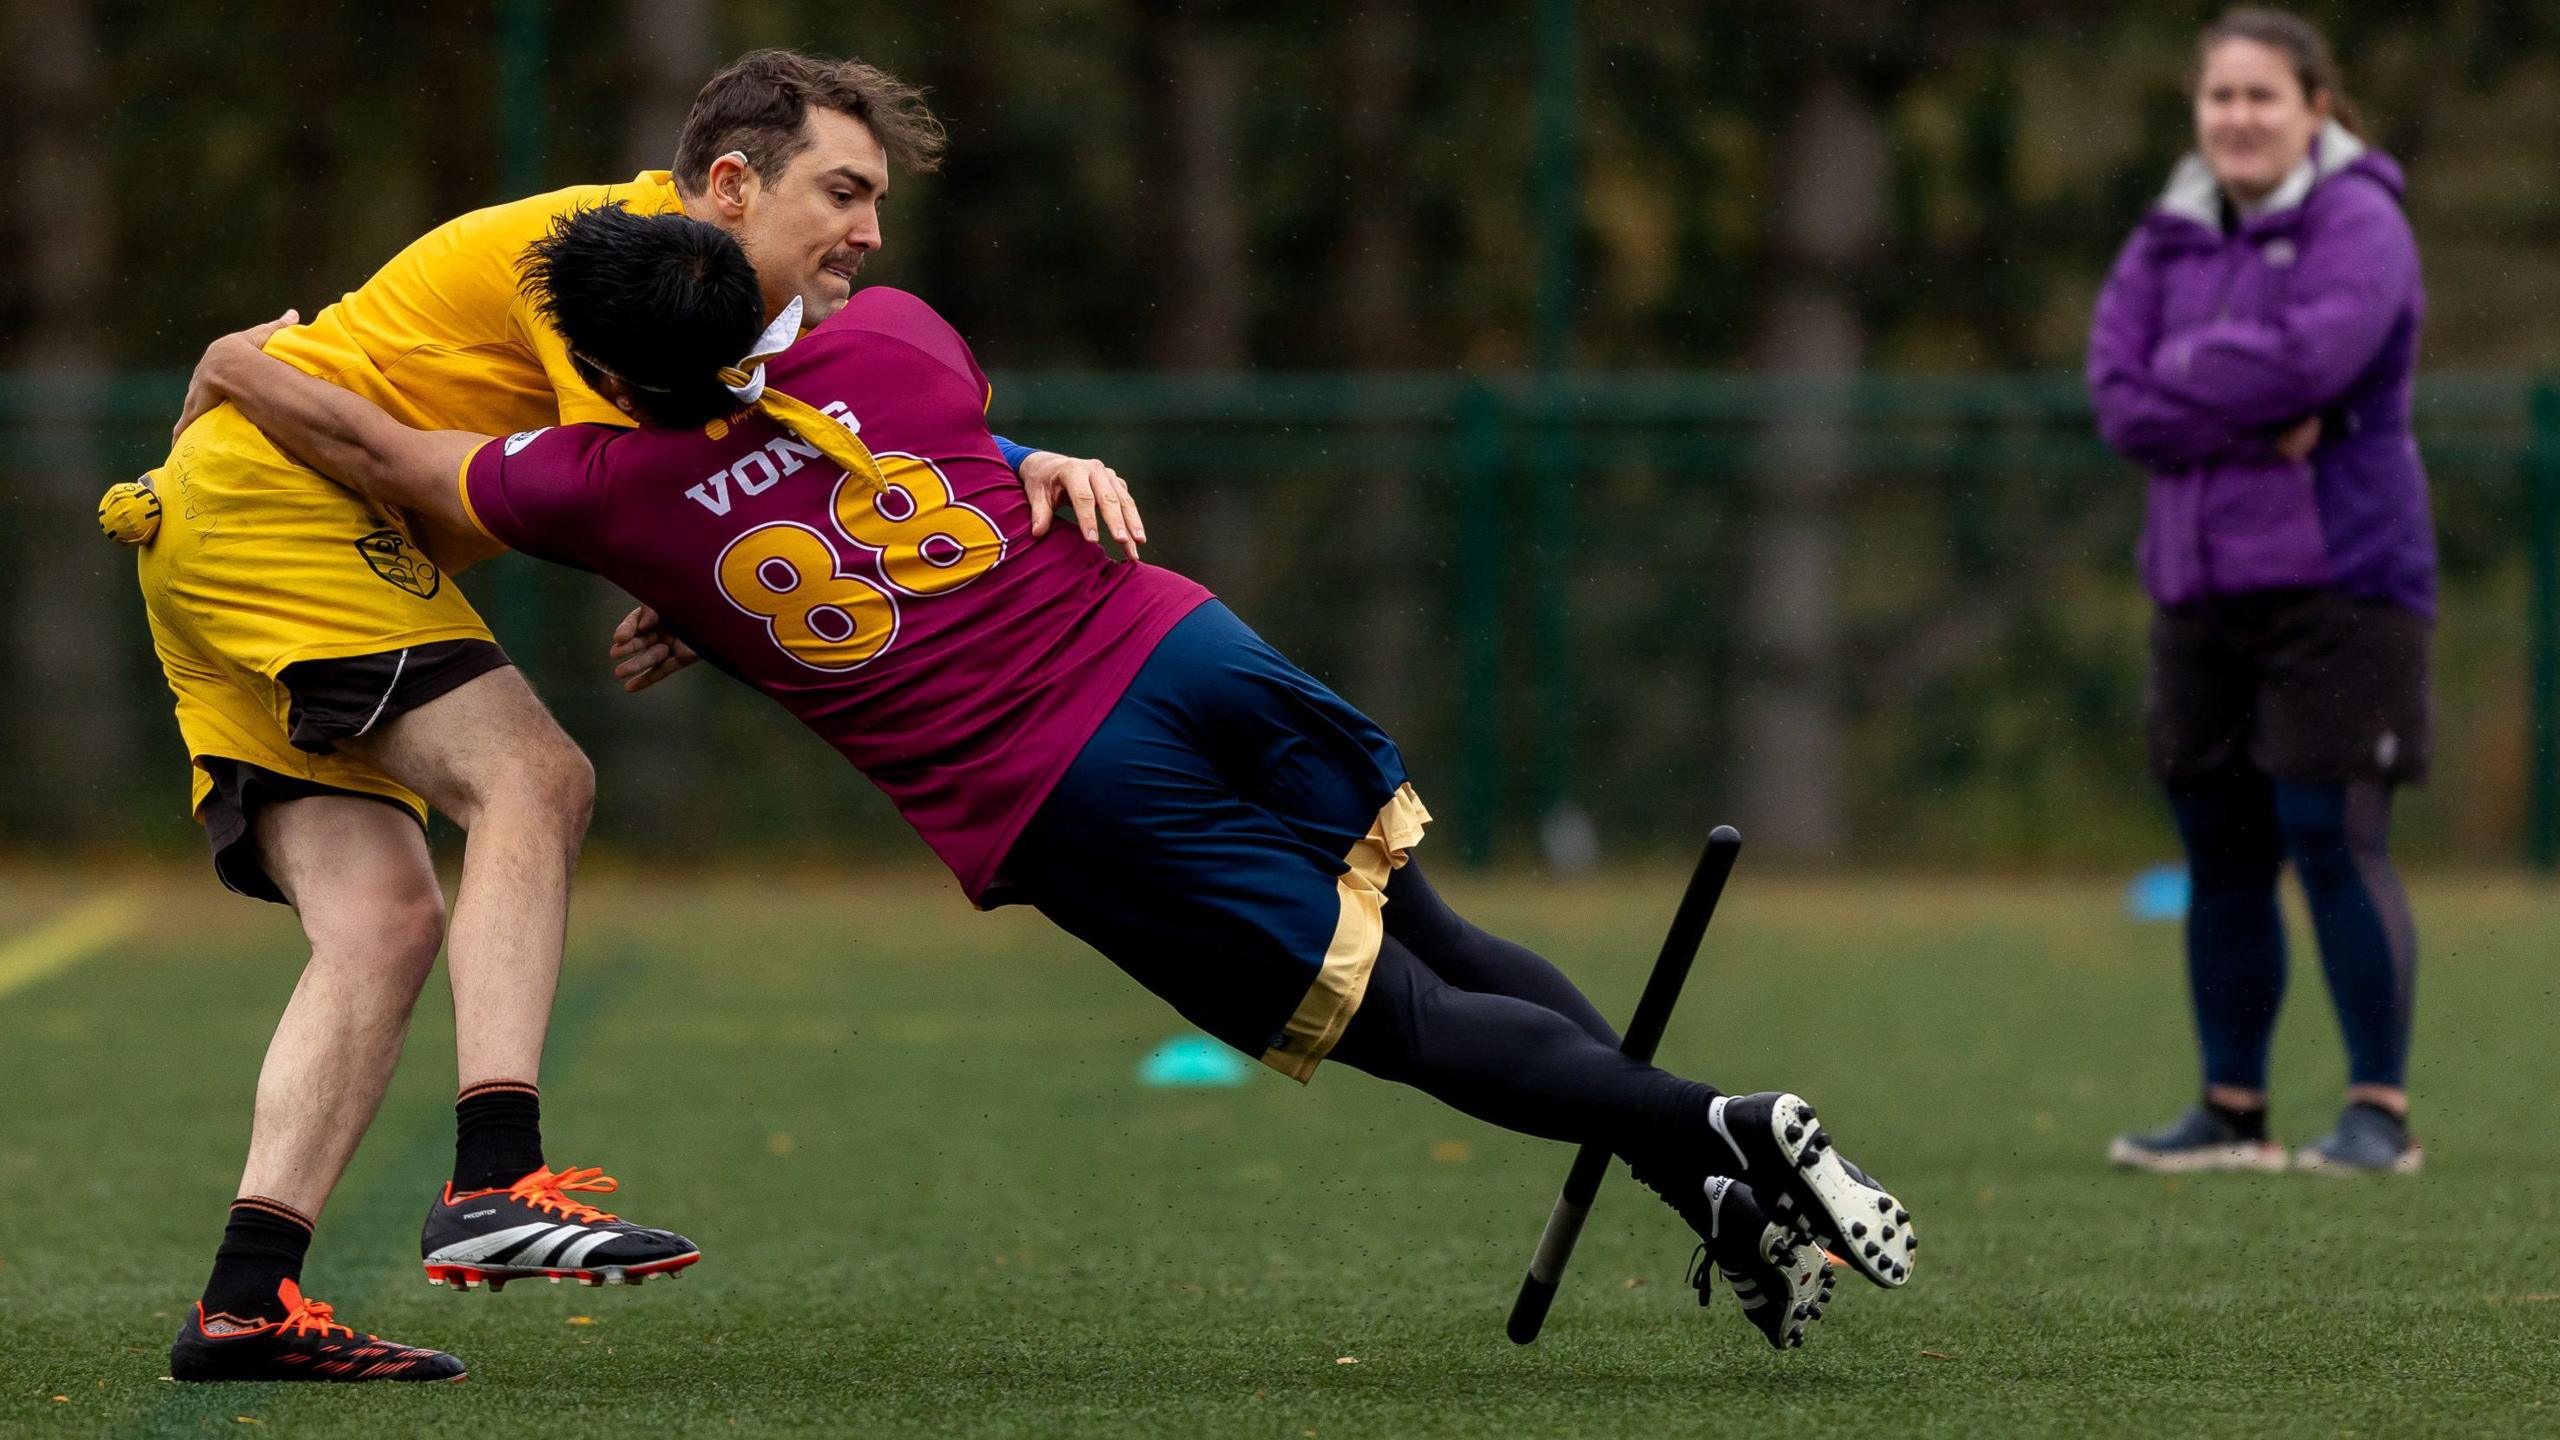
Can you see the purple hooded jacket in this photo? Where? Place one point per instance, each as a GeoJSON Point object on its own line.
{"type": "Point", "coordinates": [2207, 344]}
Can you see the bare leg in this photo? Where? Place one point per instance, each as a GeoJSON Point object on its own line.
{"type": "Point", "coordinates": [2393, 1098]}
{"type": "Point", "coordinates": [490, 757]}
{"type": "Point", "coordinates": [358, 875]}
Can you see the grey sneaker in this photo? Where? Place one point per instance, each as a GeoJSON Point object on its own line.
{"type": "Point", "coordinates": [2197, 1140]}
{"type": "Point", "coordinates": [2369, 1140]}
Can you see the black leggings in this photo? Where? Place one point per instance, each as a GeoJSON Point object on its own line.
{"type": "Point", "coordinates": [1488, 1027]}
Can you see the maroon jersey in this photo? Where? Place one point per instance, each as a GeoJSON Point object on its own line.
{"type": "Point", "coordinates": [920, 630]}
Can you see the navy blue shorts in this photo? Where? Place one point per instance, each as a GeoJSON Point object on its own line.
{"type": "Point", "coordinates": [1226, 838]}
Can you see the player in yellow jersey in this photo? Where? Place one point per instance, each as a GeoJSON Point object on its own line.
{"type": "Point", "coordinates": [332, 685]}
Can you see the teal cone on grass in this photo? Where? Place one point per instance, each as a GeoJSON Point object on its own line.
{"type": "Point", "coordinates": [2159, 894]}
{"type": "Point", "coordinates": [1192, 1060]}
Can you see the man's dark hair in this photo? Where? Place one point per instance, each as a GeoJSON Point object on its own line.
{"type": "Point", "coordinates": [659, 302]}
{"type": "Point", "coordinates": [760, 105]}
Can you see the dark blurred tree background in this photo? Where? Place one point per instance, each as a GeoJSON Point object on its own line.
{"type": "Point", "coordinates": [1155, 182]}
{"type": "Point", "coordinates": [1821, 189]}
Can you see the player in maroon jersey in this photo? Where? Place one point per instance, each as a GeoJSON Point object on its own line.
{"type": "Point", "coordinates": [828, 519]}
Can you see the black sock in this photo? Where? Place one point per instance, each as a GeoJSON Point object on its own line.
{"type": "Point", "coordinates": [262, 1248]}
{"type": "Point", "coordinates": [497, 1134]}
{"type": "Point", "coordinates": [2250, 1124]}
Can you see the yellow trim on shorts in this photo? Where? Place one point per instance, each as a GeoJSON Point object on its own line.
{"type": "Point", "coordinates": [462, 480]}
{"type": "Point", "coordinates": [1335, 994]}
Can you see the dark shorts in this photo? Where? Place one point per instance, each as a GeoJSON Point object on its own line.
{"type": "Point", "coordinates": [2311, 686]}
{"type": "Point", "coordinates": [241, 790]}
{"type": "Point", "coordinates": [344, 699]}
{"type": "Point", "coordinates": [1225, 837]}
{"type": "Point", "coordinates": [332, 701]}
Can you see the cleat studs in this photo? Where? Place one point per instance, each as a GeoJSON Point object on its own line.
{"type": "Point", "coordinates": [1888, 1232]}
{"type": "Point", "coordinates": [1870, 1250]}
{"type": "Point", "coordinates": [1794, 1133]}
{"type": "Point", "coordinates": [1901, 1217]}
{"type": "Point", "coordinates": [1884, 1206]}
{"type": "Point", "coordinates": [1913, 1243]}
{"type": "Point", "coordinates": [1804, 1113]}
{"type": "Point", "coordinates": [1821, 1139]}
{"type": "Point", "coordinates": [1858, 1230]}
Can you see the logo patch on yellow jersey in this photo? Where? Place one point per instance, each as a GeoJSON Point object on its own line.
{"type": "Point", "coordinates": [398, 563]}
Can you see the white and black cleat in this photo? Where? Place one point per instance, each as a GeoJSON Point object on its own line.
{"type": "Point", "coordinates": [1803, 1182]}
{"type": "Point", "coordinates": [1781, 1279]}
{"type": "Point", "coordinates": [537, 1228]}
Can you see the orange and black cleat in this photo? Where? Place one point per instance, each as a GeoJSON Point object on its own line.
{"type": "Point", "coordinates": [307, 1344]}
{"type": "Point", "coordinates": [538, 1228]}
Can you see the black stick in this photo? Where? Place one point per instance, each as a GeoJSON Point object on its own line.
{"type": "Point", "coordinates": [1644, 1035]}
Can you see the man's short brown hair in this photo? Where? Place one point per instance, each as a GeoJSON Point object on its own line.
{"type": "Point", "coordinates": [759, 107]}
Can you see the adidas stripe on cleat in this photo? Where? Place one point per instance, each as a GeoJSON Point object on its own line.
{"type": "Point", "coordinates": [1781, 1280]}
{"type": "Point", "coordinates": [308, 1344]}
{"type": "Point", "coordinates": [1801, 1179]}
{"type": "Point", "coordinates": [538, 1229]}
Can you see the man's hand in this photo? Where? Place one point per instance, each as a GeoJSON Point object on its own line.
{"type": "Point", "coordinates": [203, 391]}
{"type": "Point", "coordinates": [2300, 439]}
{"type": "Point", "coordinates": [645, 654]}
{"type": "Point", "coordinates": [1092, 489]}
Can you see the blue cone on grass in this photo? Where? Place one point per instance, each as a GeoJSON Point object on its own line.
{"type": "Point", "coordinates": [2159, 894]}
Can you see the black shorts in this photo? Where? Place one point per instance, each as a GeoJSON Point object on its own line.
{"type": "Point", "coordinates": [2309, 685]}
{"type": "Point", "coordinates": [343, 699]}
{"type": "Point", "coordinates": [332, 700]}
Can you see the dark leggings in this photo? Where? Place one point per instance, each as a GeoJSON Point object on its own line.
{"type": "Point", "coordinates": [1489, 1027]}
{"type": "Point", "coordinates": [2239, 828]}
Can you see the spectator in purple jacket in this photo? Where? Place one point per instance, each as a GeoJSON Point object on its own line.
{"type": "Point", "coordinates": [2254, 348]}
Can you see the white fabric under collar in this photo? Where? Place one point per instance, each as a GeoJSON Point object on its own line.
{"type": "Point", "coordinates": [2285, 196]}
{"type": "Point", "coordinates": [2192, 191]}
{"type": "Point", "coordinates": [777, 337]}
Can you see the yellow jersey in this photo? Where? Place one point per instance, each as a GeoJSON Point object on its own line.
{"type": "Point", "coordinates": [262, 563]}
{"type": "Point", "coordinates": [440, 336]}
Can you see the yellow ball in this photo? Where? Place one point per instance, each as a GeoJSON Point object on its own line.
{"type": "Point", "coordinates": [130, 512]}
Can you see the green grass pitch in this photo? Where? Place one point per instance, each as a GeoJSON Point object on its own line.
{"type": "Point", "coordinates": [933, 1200]}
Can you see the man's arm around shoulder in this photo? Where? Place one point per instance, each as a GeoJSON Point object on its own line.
{"type": "Point", "coordinates": [351, 441]}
